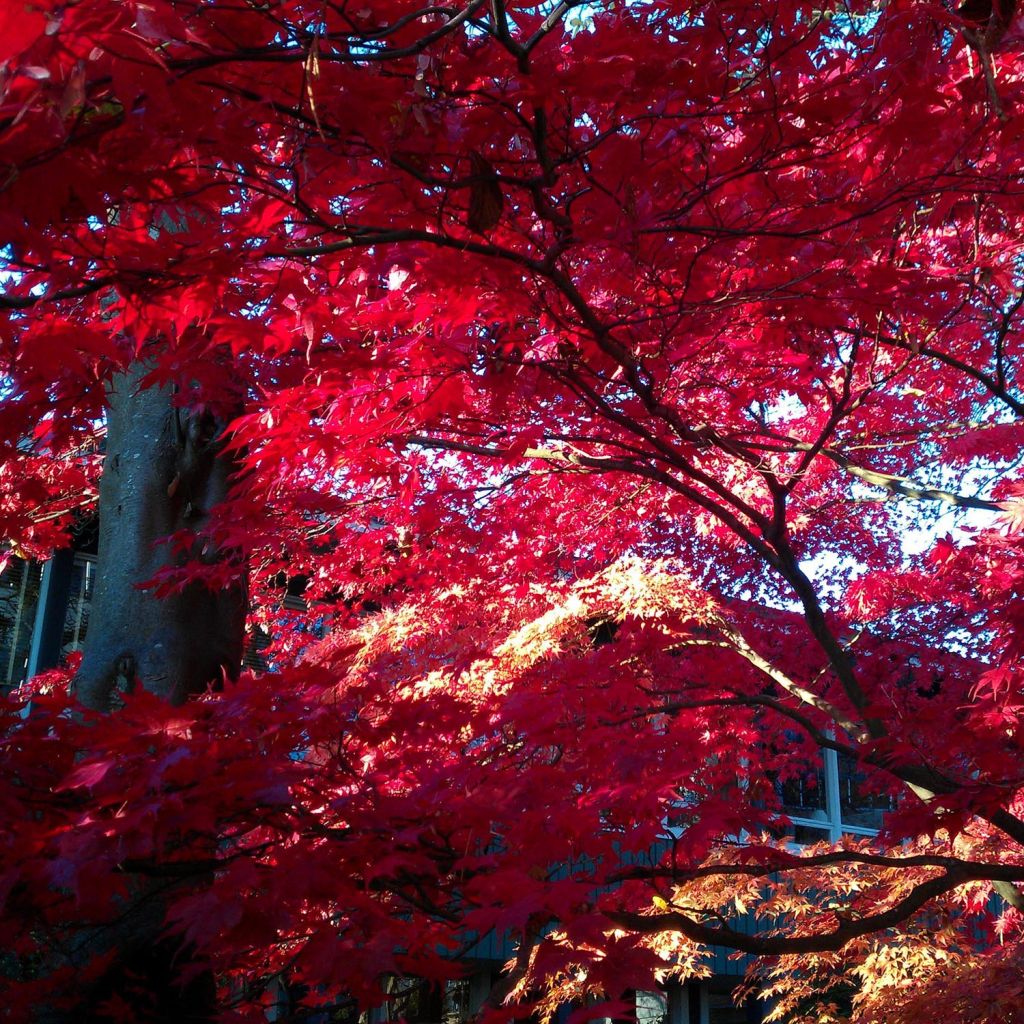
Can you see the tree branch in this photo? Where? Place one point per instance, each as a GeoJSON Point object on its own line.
{"type": "Point", "coordinates": [776, 945]}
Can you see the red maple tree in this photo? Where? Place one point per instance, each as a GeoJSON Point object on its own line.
{"type": "Point", "coordinates": [633, 390]}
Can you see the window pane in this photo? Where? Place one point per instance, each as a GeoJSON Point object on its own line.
{"type": "Point", "coordinates": [722, 1011]}
{"type": "Point", "coordinates": [456, 1002]}
{"type": "Point", "coordinates": [858, 804]}
{"type": "Point", "coordinates": [803, 797]}
{"type": "Point", "coordinates": [807, 834]}
{"type": "Point", "coordinates": [417, 1002]}
{"type": "Point", "coordinates": [651, 1008]}
{"type": "Point", "coordinates": [19, 595]}
{"type": "Point", "coordinates": [76, 618]}
{"type": "Point", "coordinates": [801, 789]}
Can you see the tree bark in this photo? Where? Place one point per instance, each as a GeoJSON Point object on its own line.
{"type": "Point", "coordinates": [163, 472]}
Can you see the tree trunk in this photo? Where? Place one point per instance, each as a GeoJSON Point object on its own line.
{"type": "Point", "coordinates": [163, 472]}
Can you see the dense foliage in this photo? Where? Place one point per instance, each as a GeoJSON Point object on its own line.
{"type": "Point", "coordinates": [634, 388]}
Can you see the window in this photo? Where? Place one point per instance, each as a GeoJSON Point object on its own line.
{"type": "Point", "coordinates": [859, 806]}
{"type": "Point", "coordinates": [19, 598]}
{"type": "Point", "coordinates": [453, 1002]}
{"type": "Point", "coordinates": [652, 1008]}
{"type": "Point", "coordinates": [804, 796]}
{"type": "Point", "coordinates": [455, 1008]}
{"type": "Point", "coordinates": [722, 1010]}
{"type": "Point", "coordinates": [694, 1003]}
{"type": "Point", "coordinates": [76, 618]}
{"type": "Point", "coordinates": [831, 799]}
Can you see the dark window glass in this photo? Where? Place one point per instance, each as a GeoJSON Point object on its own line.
{"type": "Point", "coordinates": [76, 618]}
{"type": "Point", "coordinates": [419, 1002]}
{"type": "Point", "coordinates": [19, 597]}
{"type": "Point", "coordinates": [722, 1011]}
{"type": "Point", "coordinates": [456, 1002]}
{"type": "Point", "coordinates": [858, 804]}
{"type": "Point", "coordinates": [807, 834]}
{"type": "Point", "coordinates": [804, 796]}
{"type": "Point", "coordinates": [799, 779]}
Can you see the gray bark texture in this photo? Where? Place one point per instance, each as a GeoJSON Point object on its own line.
{"type": "Point", "coordinates": [164, 471]}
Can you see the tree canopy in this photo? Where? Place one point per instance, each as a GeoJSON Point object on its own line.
{"type": "Point", "coordinates": [632, 390]}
